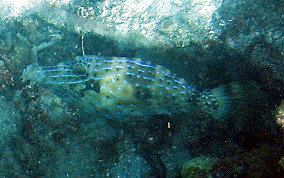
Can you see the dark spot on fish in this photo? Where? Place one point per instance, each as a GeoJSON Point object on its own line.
{"type": "Point", "coordinates": [58, 137]}
{"type": "Point", "coordinates": [91, 85]}
{"type": "Point", "coordinates": [143, 93]}
{"type": "Point", "coordinates": [96, 87]}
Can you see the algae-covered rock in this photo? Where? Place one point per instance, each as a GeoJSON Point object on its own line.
{"type": "Point", "coordinates": [9, 121]}
{"type": "Point", "coordinates": [9, 130]}
{"type": "Point", "coordinates": [198, 167]}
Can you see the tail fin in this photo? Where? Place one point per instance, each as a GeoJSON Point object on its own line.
{"type": "Point", "coordinates": [233, 100]}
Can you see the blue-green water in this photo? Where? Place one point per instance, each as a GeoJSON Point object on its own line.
{"type": "Point", "coordinates": [141, 88]}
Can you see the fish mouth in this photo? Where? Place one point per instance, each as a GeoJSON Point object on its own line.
{"type": "Point", "coordinates": [65, 74]}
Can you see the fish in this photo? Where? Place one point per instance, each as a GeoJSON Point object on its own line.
{"type": "Point", "coordinates": [127, 87]}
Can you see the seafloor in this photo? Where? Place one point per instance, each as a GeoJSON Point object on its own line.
{"type": "Point", "coordinates": [209, 43]}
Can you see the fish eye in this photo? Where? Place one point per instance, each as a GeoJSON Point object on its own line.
{"type": "Point", "coordinates": [80, 69]}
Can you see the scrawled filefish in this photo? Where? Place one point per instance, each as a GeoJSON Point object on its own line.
{"type": "Point", "coordinates": [119, 86]}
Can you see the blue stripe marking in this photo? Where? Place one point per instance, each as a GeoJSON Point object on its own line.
{"type": "Point", "coordinates": [94, 63]}
{"type": "Point", "coordinates": [177, 81]}
{"type": "Point", "coordinates": [169, 75]}
{"type": "Point", "coordinates": [144, 65]}
{"type": "Point", "coordinates": [66, 82]}
{"type": "Point", "coordinates": [107, 68]}
{"type": "Point", "coordinates": [130, 66]}
{"type": "Point", "coordinates": [97, 78]}
{"type": "Point", "coordinates": [111, 60]}
{"type": "Point", "coordinates": [147, 78]}
{"type": "Point", "coordinates": [130, 73]}
{"type": "Point", "coordinates": [66, 75]}
{"type": "Point", "coordinates": [119, 67]}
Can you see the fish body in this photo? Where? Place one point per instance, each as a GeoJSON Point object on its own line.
{"type": "Point", "coordinates": [123, 87]}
